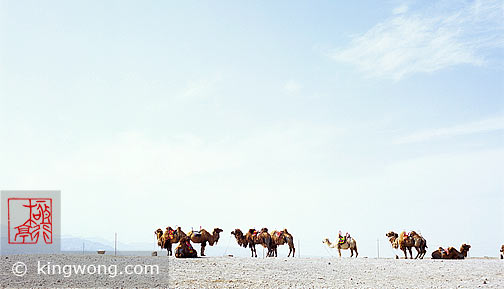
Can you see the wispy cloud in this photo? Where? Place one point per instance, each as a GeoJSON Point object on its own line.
{"type": "Point", "coordinates": [400, 9]}
{"type": "Point", "coordinates": [292, 87]}
{"type": "Point", "coordinates": [427, 40]}
{"type": "Point", "coordinates": [485, 125]}
{"type": "Point", "coordinates": [202, 88]}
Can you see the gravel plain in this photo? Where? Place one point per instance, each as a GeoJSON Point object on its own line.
{"type": "Point", "coordinates": [234, 272]}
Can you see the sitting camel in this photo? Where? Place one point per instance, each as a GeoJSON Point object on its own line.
{"type": "Point", "coordinates": [185, 249]}
{"type": "Point", "coordinates": [451, 253]}
{"type": "Point", "coordinates": [203, 236]}
{"type": "Point", "coordinates": [406, 242]}
{"type": "Point", "coordinates": [349, 243]}
{"type": "Point", "coordinates": [280, 238]}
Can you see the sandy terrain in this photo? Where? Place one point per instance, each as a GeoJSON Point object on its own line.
{"type": "Point", "coordinates": [228, 272]}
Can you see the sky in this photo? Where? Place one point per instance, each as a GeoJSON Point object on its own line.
{"type": "Point", "coordinates": [313, 116]}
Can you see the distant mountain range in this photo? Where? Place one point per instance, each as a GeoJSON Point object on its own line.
{"type": "Point", "coordinates": [70, 243]}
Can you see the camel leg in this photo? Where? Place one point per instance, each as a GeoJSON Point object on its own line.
{"type": "Point", "coordinates": [351, 252]}
{"type": "Point", "coordinates": [418, 252]}
{"type": "Point", "coordinates": [203, 245]}
{"type": "Point", "coordinates": [424, 251]}
{"type": "Point", "coordinates": [405, 255]}
{"type": "Point", "coordinates": [339, 252]}
{"type": "Point", "coordinates": [410, 252]}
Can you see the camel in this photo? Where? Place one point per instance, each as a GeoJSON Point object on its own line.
{"type": "Point", "coordinates": [502, 252]}
{"type": "Point", "coordinates": [451, 253]}
{"type": "Point", "coordinates": [204, 237]}
{"type": "Point", "coordinates": [349, 243]}
{"type": "Point", "coordinates": [172, 237]}
{"type": "Point", "coordinates": [160, 238]}
{"type": "Point", "coordinates": [252, 238]}
{"type": "Point", "coordinates": [280, 238]}
{"type": "Point", "coordinates": [264, 239]}
{"type": "Point", "coordinates": [240, 238]}
{"type": "Point", "coordinates": [185, 249]}
{"type": "Point", "coordinates": [394, 241]}
{"type": "Point", "coordinates": [169, 237]}
{"type": "Point", "coordinates": [419, 243]}
{"type": "Point", "coordinates": [406, 242]}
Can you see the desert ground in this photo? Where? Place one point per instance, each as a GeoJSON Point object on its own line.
{"type": "Point", "coordinates": [238, 272]}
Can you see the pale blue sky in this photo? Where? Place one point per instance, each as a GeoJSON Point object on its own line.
{"type": "Point", "coordinates": [363, 117]}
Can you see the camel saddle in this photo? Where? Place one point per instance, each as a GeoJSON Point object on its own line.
{"type": "Point", "coordinates": [171, 234]}
{"type": "Point", "coordinates": [189, 247]}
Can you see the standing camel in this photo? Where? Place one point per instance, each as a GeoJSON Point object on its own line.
{"type": "Point", "coordinates": [451, 253]}
{"type": "Point", "coordinates": [407, 242]}
{"type": "Point", "coordinates": [349, 243]}
{"type": "Point", "coordinates": [240, 238]}
{"type": "Point", "coordinates": [253, 238]}
{"type": "Point", "coordinates": [262, 238]}
{"type": "Point", "coordinates": [419, 243]}
{"type": "Point", "coordinates": [280, 238]}
{"type": "Point", "coordinates": [502, 252]}
{"type": "Point", "coordinates": [204, 237]}
{"type": "Point", "coordinates": [169, 237]}
{"type": "Point", "coordinates": [394, 241]}
{"type": "Point", "coordinates": [160, 238]}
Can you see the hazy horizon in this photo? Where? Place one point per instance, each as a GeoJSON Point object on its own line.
{"type": "Point", "coordinates": [316, 117]}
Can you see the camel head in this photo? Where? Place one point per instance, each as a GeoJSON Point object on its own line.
{"type": "Point", "coordinates": [464, 249]}
{"type": "Point", "coordinates": [158, 233]}
{"type": "Point", "coordinates": [392, 234]}
{"type": "Point", "coordinates": [215, 234]}
{"type": "Point", "coordinates": [237, 233]}
{"type": "Point", "coordinates": [239, 237]}
{"type": "Point", "coordinates": [326, 241]}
